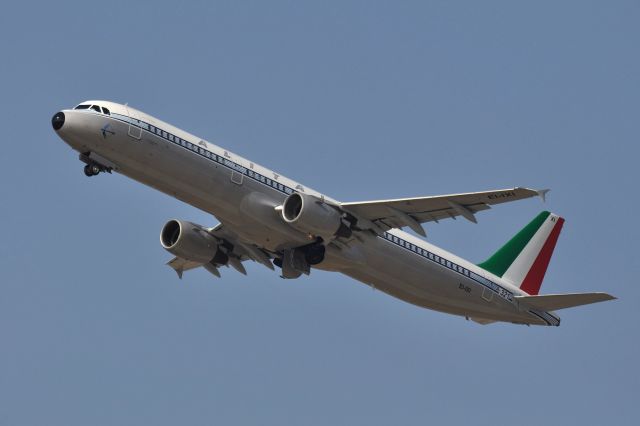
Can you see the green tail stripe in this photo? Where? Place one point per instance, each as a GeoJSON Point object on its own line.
{"type": "Point", "coordinates": [503, 258]}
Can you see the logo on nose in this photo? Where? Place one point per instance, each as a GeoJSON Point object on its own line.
{"type": "Point", "coordinates": [105, 131]}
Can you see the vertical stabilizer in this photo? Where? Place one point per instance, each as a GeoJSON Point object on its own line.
{"type": "Point", "coordinates": [524, 259]}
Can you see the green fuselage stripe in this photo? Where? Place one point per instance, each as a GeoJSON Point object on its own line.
{"type": "Point", "coordinates": [503, 258]}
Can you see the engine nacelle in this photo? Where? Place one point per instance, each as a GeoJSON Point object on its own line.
{"type": "Point", "coordinates": [188, 241]}
{"type": "Point", "coordinates": [313, 216]}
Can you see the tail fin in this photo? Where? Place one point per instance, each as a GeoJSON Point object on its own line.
{"type": "Point", "coordinates": [524, 259]}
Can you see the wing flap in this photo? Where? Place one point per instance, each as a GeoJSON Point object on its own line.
{"type": "Point", "coordinates": [553, 302]}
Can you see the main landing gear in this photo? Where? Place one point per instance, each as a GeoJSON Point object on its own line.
{"type": "Point", "coordinates": [297, 261]}
{"type": "Point", "coordinates": [92, 169]}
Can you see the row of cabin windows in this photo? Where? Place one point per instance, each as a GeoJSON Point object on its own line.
{"type": "Point", "coordinates": [272, 183]}
{"type": "Point", "coordinates": [97, 108]}
{"type": "Point", "coordinates": [425, 253]}
{"type": "Point", "coordinates": [257, 176]}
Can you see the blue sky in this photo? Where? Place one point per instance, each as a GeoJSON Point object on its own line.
{"type": "Point", "coordinates": [360, 100]}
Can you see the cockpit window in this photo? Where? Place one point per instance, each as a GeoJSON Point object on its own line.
{"type": "Point", "coordinates": [96, 108]}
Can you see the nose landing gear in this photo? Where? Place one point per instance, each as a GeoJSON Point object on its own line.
{"type": "Point", "coordinates": [92, 167]}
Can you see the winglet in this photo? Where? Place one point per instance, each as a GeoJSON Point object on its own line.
{"type": "Point", "coordinates": [542, 193]}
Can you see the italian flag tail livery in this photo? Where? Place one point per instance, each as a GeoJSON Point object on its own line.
{"type": "Point", "coordinates": [524, 259]}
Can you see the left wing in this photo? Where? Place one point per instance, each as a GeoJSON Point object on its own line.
{"type": "Point", "coordinates": [237, 251]}
{"type": "Point", "coordinates": [386, 214]}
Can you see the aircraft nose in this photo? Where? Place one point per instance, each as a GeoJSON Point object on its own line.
{"type": "Point", "coordinates": [58, 120]}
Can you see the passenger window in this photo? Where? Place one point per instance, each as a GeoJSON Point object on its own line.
{"type": "Point", "coordinates": [95, 108]}
{"type": "Point", "coordinates": [106, 111]}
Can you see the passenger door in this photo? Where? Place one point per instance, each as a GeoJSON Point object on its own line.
{"type": "Point", "coordinates": [135, 130]}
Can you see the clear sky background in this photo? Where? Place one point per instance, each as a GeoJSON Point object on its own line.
{"type": "Point", "coordinates": [359, 100]}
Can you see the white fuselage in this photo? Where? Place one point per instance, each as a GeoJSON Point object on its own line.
{"type": "Point", "coordinates": [241, 194]}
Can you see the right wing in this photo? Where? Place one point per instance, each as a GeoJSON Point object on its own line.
{"type": "Point", "coordinates": [383, 215]}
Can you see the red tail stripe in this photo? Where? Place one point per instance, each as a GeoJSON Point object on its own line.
{"type": "Point", "coordinates": [532, 282]}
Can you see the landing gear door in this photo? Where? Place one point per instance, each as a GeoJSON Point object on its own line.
{"type": "Point", "coordinates": [135, 129]}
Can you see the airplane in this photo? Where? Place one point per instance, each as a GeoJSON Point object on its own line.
{"type": "Point", "coordinates": [270, 219]}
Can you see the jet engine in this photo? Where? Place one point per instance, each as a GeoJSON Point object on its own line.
{"type": "Point", "coordinates": [190, 241]}
{"type": "Point", "coordinates": [313, 216]}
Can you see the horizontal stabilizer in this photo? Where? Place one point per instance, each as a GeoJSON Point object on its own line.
{"type": "Point", "coordinates": [553, 302]}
